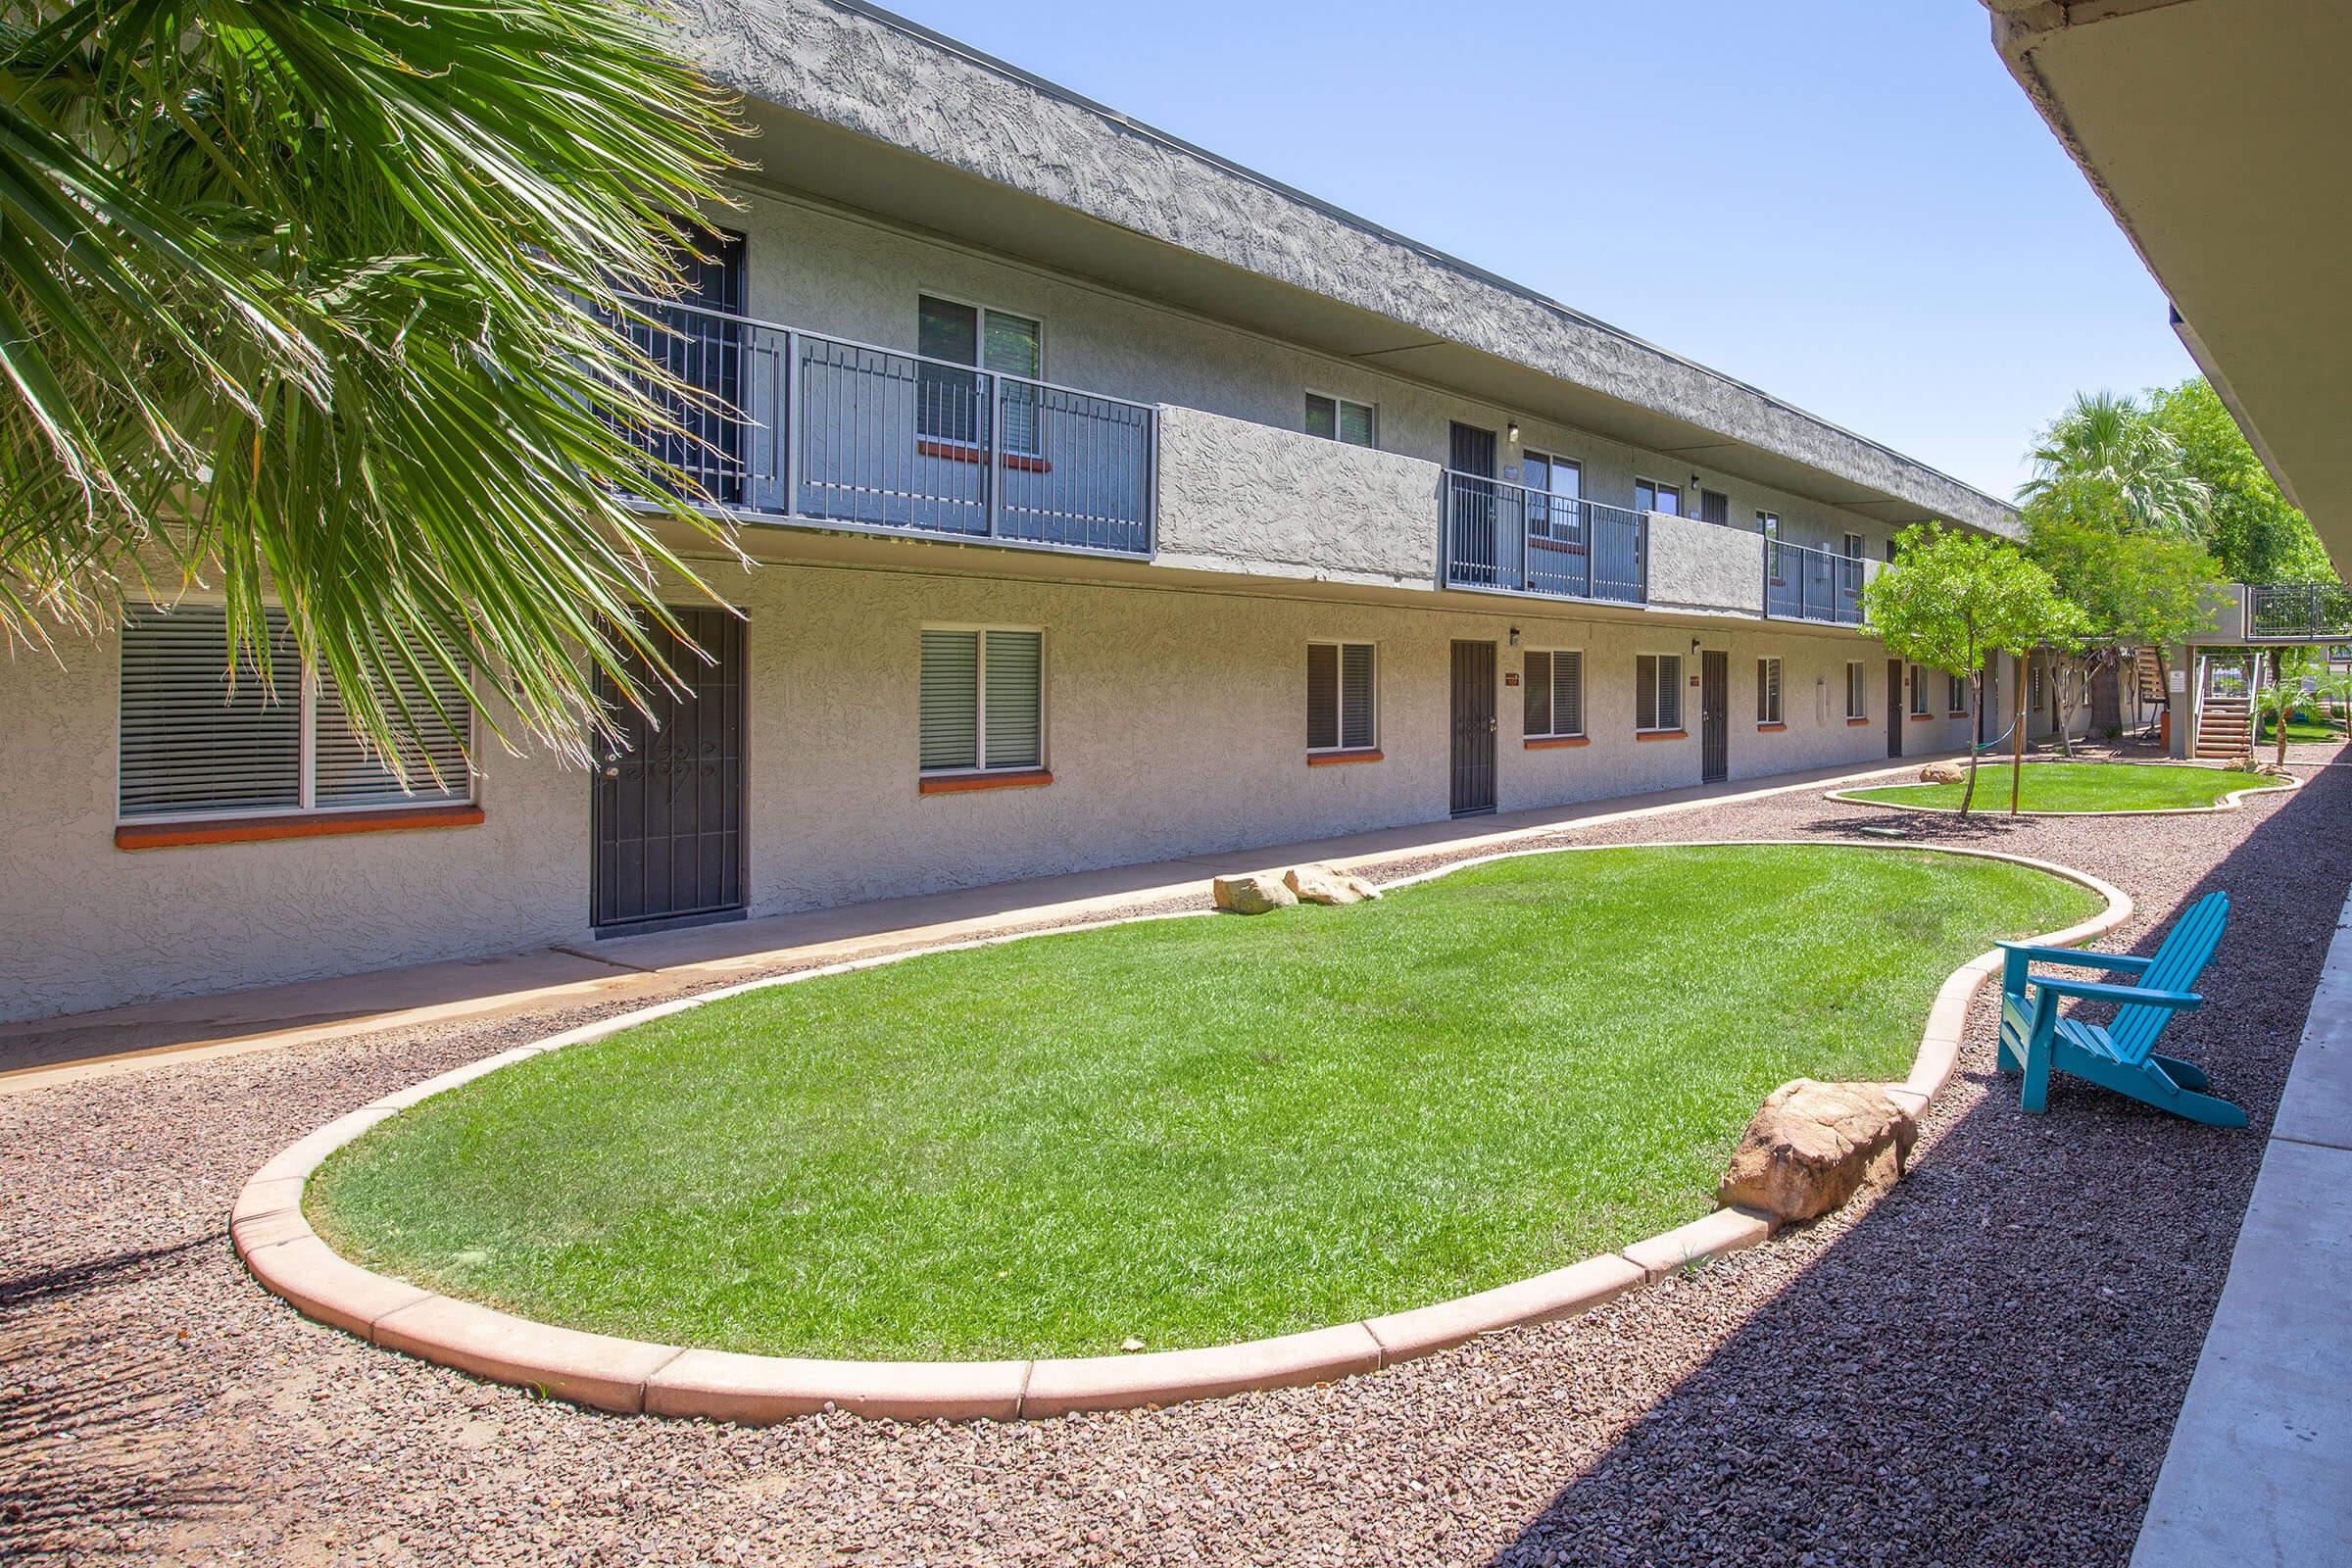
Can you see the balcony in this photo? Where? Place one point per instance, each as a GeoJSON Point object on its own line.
{"type": "Point", "coordinates": [1801, 583]}
{"type": "Point", "coordinates": [2298, 610]}
{"type": "Point", "coordinates": [1509, 538]}
{"type": "Point", "coordinates": [850, 435]}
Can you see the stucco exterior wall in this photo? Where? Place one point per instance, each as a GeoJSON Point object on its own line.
{"type": "Point", "coordinates": [1703, 567]}
{"type": "Point", "coordinates": [1175, 724]}
{"type": "Point", "coordinates": [1242, 497]}
{"type": "Point", "coordinates": [817, 267]}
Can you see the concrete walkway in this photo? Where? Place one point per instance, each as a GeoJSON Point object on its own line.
{"type": "Point", "coordinates": [2260, 1467]}
{"type": "Point", "coordinates": [650, 968]}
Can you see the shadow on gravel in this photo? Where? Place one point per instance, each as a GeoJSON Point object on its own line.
{"type": "Point", "coordinates": [81, 1440]}
{"type": "Point", "coordinates": [1987, 1367]}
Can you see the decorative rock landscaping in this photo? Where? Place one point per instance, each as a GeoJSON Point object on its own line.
{"type": "Point", "coordinates": [1813, 1145]}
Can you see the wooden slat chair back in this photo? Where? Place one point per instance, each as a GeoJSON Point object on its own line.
{"type": "Point", "coordinates": [2036, 1039]}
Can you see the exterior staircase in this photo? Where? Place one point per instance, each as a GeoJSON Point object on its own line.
{"type": "Point", "coordinates": [2224, 729]}
{"type": "Point", "coordinates": [2149, 671]}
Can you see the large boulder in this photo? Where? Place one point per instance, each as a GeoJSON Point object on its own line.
{"type": "Point", "coordinates": [1942, 773]}
{"type": "Point", "coordinates": [1252, 893]}
{"type": "Point", "coordinates": [1324, 884]}
{"type": "Point", "coordinates": [1813, 1145]}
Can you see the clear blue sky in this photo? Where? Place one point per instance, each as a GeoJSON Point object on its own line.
{"type": "Point", "coordinates": [1851, 205]}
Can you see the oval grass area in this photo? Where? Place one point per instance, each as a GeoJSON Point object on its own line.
{"type": "Point", "coordinates": [1191, 1130]}
{"type": "Point", "coordinates": [2078, 787]}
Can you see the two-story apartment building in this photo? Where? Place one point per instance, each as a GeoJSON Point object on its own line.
{"type": "Point", "coordinates": [1111, 501]}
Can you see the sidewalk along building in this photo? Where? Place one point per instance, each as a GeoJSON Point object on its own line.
{"type": "Point", "coordinates": [1111, 501]}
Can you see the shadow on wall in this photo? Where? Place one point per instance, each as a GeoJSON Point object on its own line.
{"type": "Point", "coordinates": [1987, 1368]}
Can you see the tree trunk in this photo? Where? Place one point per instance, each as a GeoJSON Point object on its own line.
{"type": "Point", "coordinates": [2016, 731]}
{"type": "Point", "coordinates": [1976, 727]}
{"type": "Point", "coordinates": [2059, 706]}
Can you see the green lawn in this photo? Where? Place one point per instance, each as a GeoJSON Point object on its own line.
{"type": "Point", "coordinates": [2076, 787]}
{"type": "Point", "coordinates": [2303, 727]}
{"type": "Point", "coordinates": [1190, 1131]}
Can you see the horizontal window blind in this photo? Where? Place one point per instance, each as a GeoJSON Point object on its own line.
{"type": "Point", "coordinates": [1322, 696]}
{"type": "Point", "coordinates": [193, 740]}
{"type": "Point", "coordinates": [1535, 700]}
{"type": "Point", "coordinates": [1855, 695]}
{"type": "Point", "coordinates": [1555, 701]}
{"type": "Point", "coordinates": [1658, 691]}
{"type": "Point", "coordinates": [950, 701]}
{"type": "Point", "coordinates": [1670, 691]}
{"type": "Point", "coordinates": [1355, 695]}
{"type": "Point", "coordinates": [1768, 691]}
{"type": "Point", "coordinates": [344, 772]}
{"type": "Point", "coordinates": [1012, 699]}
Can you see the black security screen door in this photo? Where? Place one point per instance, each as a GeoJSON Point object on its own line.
{"type": "Point", "coordinates": [1895, 708]}
{"type": "Point", "coordinates": [1473, 728]}
{"type": "Point", "coordinates": [1714, 716]}
{"type": "Point", "coordinates": [667, 807]}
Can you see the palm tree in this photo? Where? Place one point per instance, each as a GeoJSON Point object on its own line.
{"type": "Point", "coordinates": [314, 301]}
{"type": "Point", "coordinates": [2106, 460]}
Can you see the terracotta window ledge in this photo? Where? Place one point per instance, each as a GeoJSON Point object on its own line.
{"type": "Point", "coordinates": [1760, 728]}
{"type": "Point", "coordinates": [1028, 778]}
{"type": "Point", "coordinates": [1546, 743]}
{"type": "Point", "coordinates": [1955, 713]}
{"type": "Point", "coordinates": [1366, 753]}
{"type": "Point", "coordinates": [291, 825]}
{"type": "Point", "coordinates": [1857, 721]}
{"type": "Point", "coordinates": [1661, 734]}
{"type": "Point", "coordinates": [960, 452]}
{"type": "Point", "coordinates": [1921, 719]}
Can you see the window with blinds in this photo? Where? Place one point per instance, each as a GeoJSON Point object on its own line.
{"type": "Point", "coordinates": [199, 741]}
{"type": "Point", "coordinates": [1768, 691]}
{"type": "Point", "coordinates": [1919, 692]}
{"type": "Point", "coordinates": [949, 402]}
{"type": "Point", "coordinates": [1341, 710]}
{"type": "Point", "coordinates": [1955, 698]}
{"type": "Point", "coordinates": [983, 700]}
{"type": "Point", "coordinates": [1338, 419]}
{"type": "Point", "coordinates": [1554, 694]}
{"type": "Point", "coordinates": [1857, 695]}
{"type": "Point", "coordinates": [1658, 691]}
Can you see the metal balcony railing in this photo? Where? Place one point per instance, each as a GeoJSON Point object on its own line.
{"type": "Point", "coordinates": [1503, 535]}
{"type": "Point", "coordinates": [826, 430]}
{"type": "Point", "coordinates": [2298, 610]}
{"type": "Point", "coordinates": [1801, 583]}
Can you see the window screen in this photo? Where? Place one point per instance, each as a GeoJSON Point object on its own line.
{"type": "Point", "coordinates": [1555, 697]}
{"type": "Point", "coordinates": [194, 740]}
{"type": "Point", "coordinates": [1658, 691]}
{"type": "Point", "coordinates": [1340, 701]}
{"type": "Point", "coordinates": [983, 700]}
{"type": "Point", "coordinates": [1768, 691]}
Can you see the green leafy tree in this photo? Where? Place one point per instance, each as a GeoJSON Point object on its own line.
{"type": "Point", "coordinates": [2132, 590]}
{"type": "Point", "coordinates": [2252, 529]}
{"type": "Point", "coordinates": [2278, 701]}
{"type": "Point", "coordinates": [2104, 461]}
{"type": "Point", "coordinates": [314, 301]}
{"type": "Point", "coordinates": [1949, 600]}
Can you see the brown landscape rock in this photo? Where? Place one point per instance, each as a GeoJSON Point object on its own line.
{"type": "Point", "coordinates": [1942, 773]}
{"type": "Point", "coordinates": [1813, 1145]}
{"type": "Point", "coordinates": [1252, 893]}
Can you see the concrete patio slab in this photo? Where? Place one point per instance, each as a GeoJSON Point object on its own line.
{"type": "Point", "coordinates": [2260, 1467]}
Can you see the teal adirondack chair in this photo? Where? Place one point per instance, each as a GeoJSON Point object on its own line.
{"type": "Point", "coordinates": [2037, 1038]}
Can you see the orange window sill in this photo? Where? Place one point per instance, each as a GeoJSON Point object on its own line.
{"type": "Point", "coordinates": [1336, 759]}
{"type": "Point", "coordinates": [1922, 718]}
{"type": "Point", "coordinates": [1857, 721]}
{"type": "Point", "coordinates": [1551, 743]}
{"type": "Point", "coordinates": [1955, 713]}
{"type": "Point", "coordinates": [291, 825]}
{"type": "Point", "coordinates": [963, 783]}
{"type": "Point", "coordinates": [958, 452]}
{"type": "Point", "coordinates": [1661, 734]}
{"type": "Point", "coordinates": [1762, 729]}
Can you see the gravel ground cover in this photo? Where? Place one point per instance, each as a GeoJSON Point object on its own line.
{"type": "Point", "coordinates": [1981, 1368]}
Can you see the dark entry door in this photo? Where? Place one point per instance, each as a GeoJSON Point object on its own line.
{"type": "Point", "coordinates": [668, 809]}
{"type": "Point", "coordinates": [1470, 453]}
{"type": "Point", "coordinates": [1895, 708]}
{"type": "Point", "coordinates": [1473, 728]}
{"type": "Point", "coordinates": [1714, 716]}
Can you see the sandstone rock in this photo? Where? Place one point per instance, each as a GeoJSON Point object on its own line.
{"type": "Point", "coordinates": [1942, 773]}
{"type": "Point", "coordinates": [1252, 893]}
{"type": "Point", "coordinates": [1813, 1145]}
{"type": "Point", "coordinates": [1323, 884]}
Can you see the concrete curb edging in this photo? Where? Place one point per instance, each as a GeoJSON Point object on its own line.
{"type": "Point", "coordinates": [2232, 801]}
{"type": "Point", "coordinates": [270, 1234]}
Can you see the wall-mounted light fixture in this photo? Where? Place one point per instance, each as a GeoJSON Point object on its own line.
{"type": "Point", "coordinates": [1514, 636]}
{"type": "Point", "coordinates": [1694, 645]}
{"type": "Point", "coordinates": [1512, 432]}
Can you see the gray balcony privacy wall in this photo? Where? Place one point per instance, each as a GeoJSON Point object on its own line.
{"type": "Point", "coordinates": [1703, 566]}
